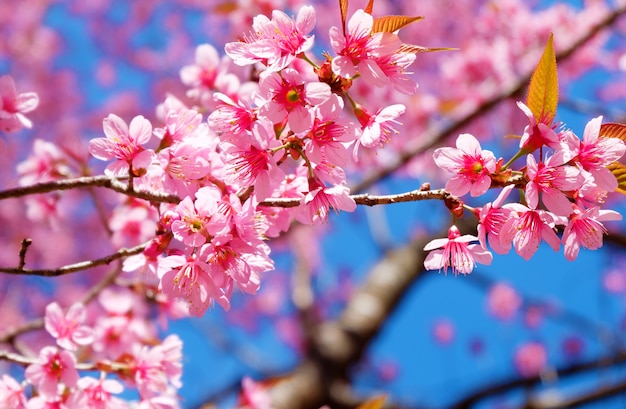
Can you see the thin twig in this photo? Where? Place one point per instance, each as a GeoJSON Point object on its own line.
{"type": "Point", "coordinates": [72, 268]}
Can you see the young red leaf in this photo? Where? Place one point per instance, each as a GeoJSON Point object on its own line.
{"type": "Point", "coordinates": [613, 130]}
{"type": "Point", "coordinates": [389, 24]}
{"type": "Point", "coordinates": [543, 91]}
{"type": "Point", "coordinates": [370, 7]}
{"type": "Point", "coordinates": [343, 8]}
{"type": "Point", "coordinates": [415, 49]}
{"type": "Point", "coordinates": [374, 403]}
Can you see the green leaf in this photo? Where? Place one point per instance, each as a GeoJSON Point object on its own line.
{"type": "Point", "coordinates": [613, 130]}
{"type": "Point", "coordinates": [389, 24]}
{"type": "Point", "coordinates": [619, 170]}
{"type": "Point", "coordinates": [374, 403]}
{"type": "Point", "coordinates": [543, 91]}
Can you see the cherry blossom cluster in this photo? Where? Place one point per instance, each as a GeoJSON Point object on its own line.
{"type": "Point", "coordinates": [287, 133]}
{"type": "Point", "coordinates": [564, 183]}
{"type": "Point", "coordinates": [114, 343]}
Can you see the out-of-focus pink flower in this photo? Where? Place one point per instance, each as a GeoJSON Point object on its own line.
{"type": "Point", "coordinates": [11, 394]}
{"type": "Point", "coordinates": [96, 393]}
{"type": "Point", "coordinates": [13, 106]}
{"type": "Point", "coordinates": [443, 331]}
{"type": "Point", "coordinates": [456, 252]}
{"type": "Point", "coordinates": [470, 163]}
{"type": "Point", "coordinates": [530, 359]}
{"type": "Point", "coordinates": [67, 328]}
{"type": "Point", "coordinates": [47, 162]}
{"type": "Point", "coordinates": [503, 301]}
{"type": "Point", "coordinates": [585, 229]}
{"type": "Point", "coordinates": [124, 143]}
{"type": "Point", "coordinates": [53, 367]}
{"type": "Point", "coordinates": [254, 395]}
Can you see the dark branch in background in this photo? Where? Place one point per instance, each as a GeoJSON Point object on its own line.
{"type": "Point", "coordinates": [436, 134]}
{"type": "Point", "coordinates": [496, 389]}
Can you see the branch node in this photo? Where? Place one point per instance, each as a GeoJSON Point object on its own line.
{"type": "Point", "coordinates": [25, 244]}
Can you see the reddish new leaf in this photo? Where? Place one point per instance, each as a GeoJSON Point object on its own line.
{"type": "Point", "coordinates": [374, 403]}
{"type": "Point", "coordinates": [343, 8]}
{"type": "Point", "coordinates": [389, 24]}
{"type": "Point", "coordinates": [613, 130]}
{"type": "Point", "coordinates": [543, 91]}
{"type": "Point", "coordinates": [619, 170]}
{"type": "Point", "coordinates": [415, 49]}
{"type": "Point", "coordinates": [370, 7]}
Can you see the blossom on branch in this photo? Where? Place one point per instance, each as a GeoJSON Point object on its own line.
{"type": "Point", "coordinates": [67, 328]}
{"type": "Point", "coordinates": [455, 252]}
{"type": "Point", "coordinates": [470, 163]}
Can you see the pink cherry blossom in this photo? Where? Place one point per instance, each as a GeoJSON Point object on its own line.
{"type": "Point", "coordinates": [251, 160]}
{"type": "Point", "coordinates": [231, 118]}
{"type": "Point", "coordinates": [551, 180]}
{"type": "Point", "coordinates": [456, 252]}
{"type": "Point", "coordinates": [254, 395]}
{"type": "Point", "coordinates": [11, 394]}
{"type": "Point", "coordinates": [585, 230]}
{"type": "Point", "coordinates": [492, 217]}
{"type": "Point", "coordinates": [287, 95]}
{"type": "Point", "coordinates": [443, 331]}
{"type": "Point", "coordinates": [46, 163]}
{"type": "Point", "coordinates": [275, 42]}
{"type": "Point", "coordinates": [596, 152]}
{"type": "Point", "coordinates": [13, 106]}
{"type": "Point", "coordinates": [503, 301]}
{"type": "Point", "coordinates": [53, 367]}
{"type": "Point", "coordinates": [470, 164]}
{"type": "Point", "coordinates": [97, 393]}
{"type": "Point", "coordinates": [378, 128]}
{"type": "Point", "coordinates": [358, 49]}
{"type": "Point", "coordinates": [526, 229]}
{"type": "Point", "coordinates": [124, 143]}
{"type": "Point", "coordinates": [536, 134]}
{"type": "Point", "coordinates": [196, 217]}
{"type": "Point", "coordinates": [320, 199]}
{"type": "Point", "coordinates": [530, 359]}
{"type": "Point", "coordinates": [67, 328]}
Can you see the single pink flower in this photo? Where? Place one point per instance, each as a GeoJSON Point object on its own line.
{"type": "Point", "coordinates": [124, 143]}
{"type": "Point", "coordinates": [11, 394]}
{"type": "Point", "coordinates": [320, 199]}
{"type": "Point", "coordinates": [13, 106]}
{"type": "Point", "coordinates": [526, 229]}
{"type": "Point", "coordinates": [530, 359]}
{"type": "Point", "coordinates": [551, 180]}
{"type": "Point", "coordinates": [443, 331]}
{"type": "Point", "coordinates": [596, 152]}
{"type": "Point", "coordinates": [46, 163]}
{"type": "Point", "coordinates": [456, 252]}
{"type": "Point", "coordinates": [287, 95]}
{"type": "Point", "coordinates": [585, 230]}
{"type": "Point", "coordinates": [492, 217]}
{"type": "Point", "coordinates": [53, 367]}
{"type": "Point", "coordinates": [470, 163]}
{"type": "Point", "coordinates": [276, 42]}
{"type": "Point", "coordinates": [67, 328]}
{"type": "Point", "coordinates": [197, 221]}
{"type": "Point", "coordinates": [378, 128]}
{"type": "Point", "coordinates": [536, 134]}
{"type": "Point", "coordinates": [503, 301]}
{"type": "Point", "coordinates": [97, 393]}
